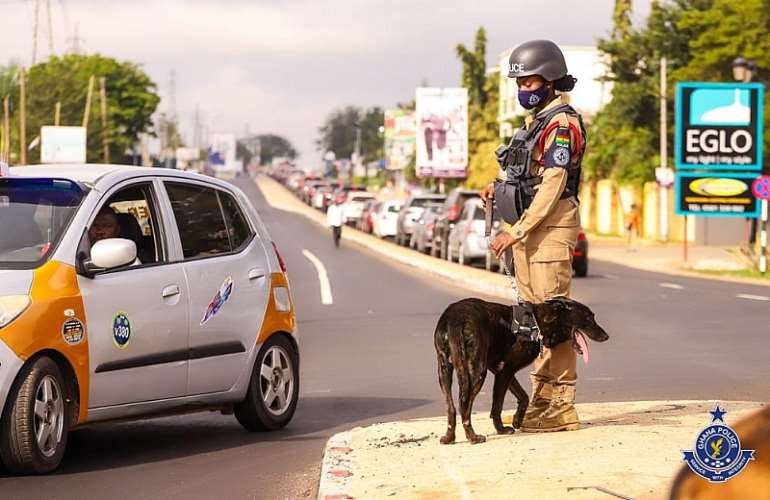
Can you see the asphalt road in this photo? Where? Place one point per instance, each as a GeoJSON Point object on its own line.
{"type": "Point", "coordinates": [368, 357]}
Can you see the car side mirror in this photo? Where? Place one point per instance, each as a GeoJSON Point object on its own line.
{"type": "Point", "coordinates": [109, 253]}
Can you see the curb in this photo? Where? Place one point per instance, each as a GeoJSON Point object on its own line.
{"type": "Point", "coordinates": [336, 468]}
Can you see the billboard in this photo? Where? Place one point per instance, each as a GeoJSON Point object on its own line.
{"type": "Point", "coordinates": [222, 153]}
{"type": "Point", "coordinates": [400, 137]}
{"type": "Point", "coordinates": [719, 126]}
{"type": "Point", "coordinates": [442, 132]}
{"type": "Point", "coordinates": [716, 194]}
{"type": "Point", "coordinates": [62, 145]}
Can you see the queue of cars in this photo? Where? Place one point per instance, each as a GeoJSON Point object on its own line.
{"type": "Point", "coordinates": [128, 292]}
{"type": "Point", "coordinates": [449, 227]}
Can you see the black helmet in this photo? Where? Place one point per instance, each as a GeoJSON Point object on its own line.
{"type": "Point", "coordinates": [537, 57]}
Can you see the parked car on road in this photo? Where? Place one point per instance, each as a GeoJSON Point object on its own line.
{"type": "Point", "coordinates": [384, 220]}
{"type": "Point", "coordinates": [447, 218]}
{"type": "Point", "coordinates": [411, 212]}
{"type": "Point", "coordinates": [354, 206]}
{"type": "Point", "coordinates": [467, 240]}
{"type": "Point", "coordinates": [309, 190]}
{"type": "Point", "coordinates": [367, 216]}
{"type": "Point", "coordinates": [422, 233]}
{"type": "Point", "coordinates": [321, 195]}
{"type": "Point", "coordinates": [129, 292]}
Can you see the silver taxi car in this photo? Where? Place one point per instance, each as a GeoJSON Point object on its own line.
{"type": "Point", "coordinates": [129, 291]}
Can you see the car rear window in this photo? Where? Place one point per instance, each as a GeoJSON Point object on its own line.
{"type": "Point", "coordinates": [421, 202]}
{"type": "Point", "coordinates": [37, 212]}
{"type": "Point", "coordinates": [237, 227]}
{"type": "Point", "coordinates": [200, 218]}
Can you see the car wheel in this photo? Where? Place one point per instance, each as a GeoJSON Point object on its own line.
{"type": "Point", "coordinates": [34, 426]}
{"type": "Point", "coordinates": [581, 268]}
{"type": "Point", "coordinates": [273, 389]}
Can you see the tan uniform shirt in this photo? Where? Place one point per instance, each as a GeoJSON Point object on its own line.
{"type": "Point", "coordinates": [547, 208]}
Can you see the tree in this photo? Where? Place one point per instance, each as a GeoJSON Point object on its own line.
{"type": "Point", "coordinates": [338, 132]}
{"type": "Point", "coordinates": [270, 146]}
{"type": "Point", "coordinates": [131, 100]}
{"type": "Point", "coordinates": [699, 39]}
{"type": "Point", "coordinates": [483, 92]}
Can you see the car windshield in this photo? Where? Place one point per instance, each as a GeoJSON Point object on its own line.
{"type": "Point", "coordinates": [39, 211]}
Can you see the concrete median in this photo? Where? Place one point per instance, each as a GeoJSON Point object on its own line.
{"type": "Point", "coordinates": [623, 450]}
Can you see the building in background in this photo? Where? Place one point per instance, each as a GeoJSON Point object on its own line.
{"type": "Point", "coordinates": [442, 132]}
{"type": "Point", "coordinates": [586, 64]}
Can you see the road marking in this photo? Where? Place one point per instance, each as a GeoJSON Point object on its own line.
{"type": "Point", "coordinates": [323, 277]}
{"type": "Point", "coordinates": [752, 297]}
{"type": "Point", "coordinates": [675, 286]}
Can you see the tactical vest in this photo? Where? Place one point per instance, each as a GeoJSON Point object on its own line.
{"type": "Point", "coordinates": [515, 193]}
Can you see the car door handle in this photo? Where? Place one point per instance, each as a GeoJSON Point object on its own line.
{"type": "Point", "coordinates": [170, 291]}
{"type": "Point", "coordinates": [256, 274]}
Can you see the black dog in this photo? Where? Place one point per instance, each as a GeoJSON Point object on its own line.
{"type": "Point", "coordinates": [474, 336]}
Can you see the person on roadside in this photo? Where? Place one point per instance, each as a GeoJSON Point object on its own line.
{"type": "Point", "coordinates": [334, 219]}
{"type": "Point", "coordinates": [537, 194]}
{"type": "Point", "coordinates": [633, 226]}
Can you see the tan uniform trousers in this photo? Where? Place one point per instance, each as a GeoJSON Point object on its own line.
{"type": "Point", "coordinates": [543, 263]}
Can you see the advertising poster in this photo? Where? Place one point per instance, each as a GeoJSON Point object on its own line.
{"type": "Point", "coordinates": [442, 132]}
{"type": "Point", "coordinates": [716, 194]}
{"type": "Point", "coordinates": [719, 126]}
{"type": "Point", "coordinates": [62, 145]}
{"type": "Point", "coordinates": [400, 137]}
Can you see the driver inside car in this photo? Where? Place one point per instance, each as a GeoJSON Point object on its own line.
{"type": "Point", "coordinates": [106, 225]}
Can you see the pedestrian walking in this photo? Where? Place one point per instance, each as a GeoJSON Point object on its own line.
{"type": "Point", "coordinates": [537, 194]}
{"type": "Point", "coordinates": [334, 219]}
{"type": "Point", "coordinates": [633, 227]}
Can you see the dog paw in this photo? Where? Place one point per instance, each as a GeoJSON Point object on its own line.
{"type": "Point", "coordinates": [447, 439]}
{"type": "Point", "coordinates": [477, 439]}
{"type": "Point", "coordinates": [506, 430]}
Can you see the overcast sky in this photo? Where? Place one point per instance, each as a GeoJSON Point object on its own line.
{"type": "Point", "coordinates": [281, 65]}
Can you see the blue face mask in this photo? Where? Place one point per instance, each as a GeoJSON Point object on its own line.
{"type": "Point", "coordinates": [532, 99]}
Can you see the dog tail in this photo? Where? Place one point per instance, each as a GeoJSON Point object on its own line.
{"type": "Point", "coordinates": [458, 355]}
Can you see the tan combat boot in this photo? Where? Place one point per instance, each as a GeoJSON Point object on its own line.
{"type": "Point", "coordinates": [561, 415]}
{"type": "Point", "coordinates": [541, 400]}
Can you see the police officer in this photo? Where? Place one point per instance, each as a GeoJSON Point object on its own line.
{"type": "Point", "coordinates": [537, 194]}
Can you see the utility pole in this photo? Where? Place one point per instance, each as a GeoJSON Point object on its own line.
{"type": "Point", "coordinates": [105, 124]}
{"type": "Point", "coordinates": [50, 27]}
{"type": "Point", "coordinates": [35, 29]}
{"type": "Point", "coordinates": [75, 41]}
{"type": "Point", "coordinates": [22, 117]}
{"type": "Point", "coordinates": [197, 128]}
{"type": "Point", "coordinates": [57, 113]}
{"type": "Point", "coordinates": [663, 148]}
{"type": "Point", "coordinates": [89, 94]}
{"type": "Point", "coordinates": [6, 145]}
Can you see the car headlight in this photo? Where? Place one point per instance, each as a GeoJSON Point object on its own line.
{"type": "Point", "coordinates": [11, 306]}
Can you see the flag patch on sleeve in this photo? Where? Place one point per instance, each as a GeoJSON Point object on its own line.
{"type": "Point", "coordinates": [562, 136]}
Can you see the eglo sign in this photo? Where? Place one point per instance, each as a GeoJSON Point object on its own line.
{"type": "Point", "coordinates": [719, 125]}
{"type": "Point", "coordinates": [718, 148]}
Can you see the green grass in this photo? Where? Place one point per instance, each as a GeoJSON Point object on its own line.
{"type": "Point", "coordinates": [745, 273]}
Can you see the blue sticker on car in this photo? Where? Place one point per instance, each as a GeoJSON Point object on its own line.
{"type": "Point", "coordinates": [121, 330]}
{"type": "Point", "coordinates": [223, 294]}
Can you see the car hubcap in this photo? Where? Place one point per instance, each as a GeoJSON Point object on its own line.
{"type": "Point", "coordinates": [49, 415]}
{"type": "Point", "coordinates": [276, 380]}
